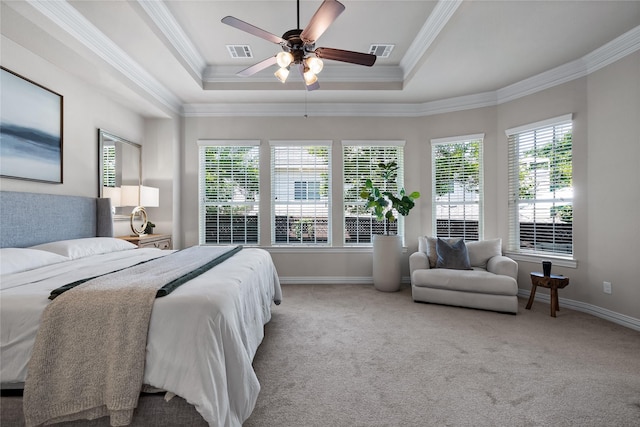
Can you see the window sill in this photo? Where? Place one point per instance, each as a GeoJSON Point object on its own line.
{"type": "Point", "coordinates": [538, 258]}
{"type": "Point", "coordinates": [323, 249]}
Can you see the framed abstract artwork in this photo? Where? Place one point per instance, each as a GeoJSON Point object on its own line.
{"type": "Point", "coordinates": [30, 130]}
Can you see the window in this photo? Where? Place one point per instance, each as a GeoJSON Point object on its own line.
{"type": "Point", "coordinates": [457, 193]}
{"type": "Point", "coordinates": [300, 192]}
{"type": "Point", "coordinates": [360, 161]}
{"type": "Point", "coordinates": [541, 187]}
{"type": "Point", "coordinates": [229, 192]}
{"type": "Point", "coordinates": [109, 166]}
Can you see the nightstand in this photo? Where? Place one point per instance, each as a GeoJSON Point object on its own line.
{"type": "Point", "coordinates": [160, 241]}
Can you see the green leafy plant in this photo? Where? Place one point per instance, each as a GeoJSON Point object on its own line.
{"type": "Point", "coordinates": [384, 203]}
{"type": "Point", "coordinates": [149, 228]}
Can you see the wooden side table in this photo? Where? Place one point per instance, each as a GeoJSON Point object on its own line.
{"type": "Point", "coordinates": [160, 241]}
{"type": "Point", "coordinates": [552, 282]}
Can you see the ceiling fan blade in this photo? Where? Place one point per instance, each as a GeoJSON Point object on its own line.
{"type": "Point", "coordinates": [312, 86]}
{"type": "Point", "coordinates": [328, 11]}
{"type": "Point", "coordinates": [358, 58]}
{"type": "Point", "coordinates": [252, 29]}
{"type": "Point", "coordinates": [257, 67]}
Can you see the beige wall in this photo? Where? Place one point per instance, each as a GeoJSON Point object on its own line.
{"type": "Point", "coordinates": [84, 111]}
{"type": "Point", "coordinates": [347, 265]}
{"type": "Point", "coordinates": [161, 168]}
{"type": "Point", "coordinates": [612, 226]}
{"type": "Point", "coordinates": [606, 108]}
{"type": "Point", "coordinates": [606, 113]}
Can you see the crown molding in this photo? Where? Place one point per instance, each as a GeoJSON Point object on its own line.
{"type": "Point", "coordinates": [167, 24]}
{"type": "Point", "coordinates": [616, 49]}
{"type": "Point", "coordinates": [438, 18]}
{"type": "Point", "coordinates": [336, 77]}
{"type": "Point", "coordinates": [341, 109]}
{"type": "Point", "coordinates": [611, 52]}
{"type": "Point", "coordinates": [70, 20]}
{"type": "Point", "coordinates": [384, 78]}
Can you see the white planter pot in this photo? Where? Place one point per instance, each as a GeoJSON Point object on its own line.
{"type": "Point", "coordinates": [387, 272]}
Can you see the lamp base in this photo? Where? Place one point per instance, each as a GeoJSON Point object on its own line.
{"type": "Point", "coordinates": [138, 210]}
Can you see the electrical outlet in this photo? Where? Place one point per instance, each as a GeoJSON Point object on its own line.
{"type": "Point", "coordinates": [606, 287]}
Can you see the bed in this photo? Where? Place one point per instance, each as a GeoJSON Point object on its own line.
{"type": "Point", "coordinates": [202, 337]}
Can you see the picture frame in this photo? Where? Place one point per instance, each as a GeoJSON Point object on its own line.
{"type": "Point", "coordinates": [31, 124]}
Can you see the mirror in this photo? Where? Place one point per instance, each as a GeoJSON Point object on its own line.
{"type": "Point", "coordinates": [120, 163]}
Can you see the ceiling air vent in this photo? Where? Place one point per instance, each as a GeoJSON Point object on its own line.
{"type": "Point", "coordinates": [381, 50]}
{"type": "Point", "coordinates": [239, 51]}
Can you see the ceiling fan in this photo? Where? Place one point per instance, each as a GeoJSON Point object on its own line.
{"type": "Point", "coordinates": [298, 46]}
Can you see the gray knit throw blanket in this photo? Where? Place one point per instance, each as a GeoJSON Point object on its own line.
{"type": "Point", "coordinates": [88, 357]}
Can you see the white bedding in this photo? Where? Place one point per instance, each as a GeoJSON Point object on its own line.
{"type": "Point", "coordinates": [202, 337]}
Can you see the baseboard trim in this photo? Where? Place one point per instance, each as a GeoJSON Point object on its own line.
{"type": "Point", "coordinates": [603, 313]}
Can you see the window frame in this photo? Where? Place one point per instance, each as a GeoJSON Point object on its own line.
{"type": "Point", "coordinates": [303, 225]}
{"type": "Point", "coordinates": [349, 203]}
{"type": "Point", "coordinates": [203, 145]}
{"type": "Point", "coordinates": [514, 190]}
{"type": "Point", "coordinates": [456, 140]}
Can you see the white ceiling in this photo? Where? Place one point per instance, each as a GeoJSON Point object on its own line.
{"type": "Point", "coordinates": [160, 56]}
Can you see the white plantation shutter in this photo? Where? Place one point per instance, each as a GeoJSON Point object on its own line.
{"type": "Point", "coordinates": [541, 187]}
{"type": "Point", "coordinates": [229, 192]}
{"type": "Point", "coordinates": [109, 166]}
{"type": "Point", "coordinates": [360, 160]}
{"type": "Point", "coordinates": [301, 192]}
{"type": "Point", "coordinates": [457, 186]}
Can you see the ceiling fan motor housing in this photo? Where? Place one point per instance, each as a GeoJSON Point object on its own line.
{"type": "Point", "coordinates": [296, 46]}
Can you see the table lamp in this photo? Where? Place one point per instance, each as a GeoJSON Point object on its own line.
{"type": "Point", "coordinates": [139, 196]}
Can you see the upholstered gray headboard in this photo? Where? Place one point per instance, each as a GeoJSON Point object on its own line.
{"type": "Point", "coordinates": [28, 219]}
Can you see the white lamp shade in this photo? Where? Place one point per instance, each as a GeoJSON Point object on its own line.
{"type": "Point", "coordinates": [140, 195]}
{"type": "Point", "coordinates": [282, 74]}
{"type": "Point", "coordinates": [284, 59]}
{"type": "Point", "coordinates": [113, 193]}
{"type": "Point", "coordinates": [315, 64]}
{"type": "Point", "coordinates": [309, 77]}
{"type": "Point", "coordinates": [149, 196]}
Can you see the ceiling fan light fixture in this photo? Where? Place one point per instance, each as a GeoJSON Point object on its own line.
{"type": "Point", "coordinates": [284, 59]}
{"type": "Point", "coordinates": [282, 74]}
{"type": "Point", "coordinates": [315, 64]}
{"type": "Point", "coordinates": [309, 77]}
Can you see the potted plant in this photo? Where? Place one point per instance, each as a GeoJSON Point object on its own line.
{"type": "Point", "coordinates": [149, 228]}
{"type": "Point", "coordinates": [384, 203]}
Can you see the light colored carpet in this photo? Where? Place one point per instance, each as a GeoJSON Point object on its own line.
{"type": "Point", "coordinates": [348, 355]}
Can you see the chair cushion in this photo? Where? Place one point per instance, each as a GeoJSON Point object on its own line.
{"type": "Point", "coordinates": [477, 281]}
{"type": "Point", "coordinates": [452, 254]}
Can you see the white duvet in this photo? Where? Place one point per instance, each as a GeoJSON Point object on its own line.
{"type": "Point", "coordinates": [202, 337]}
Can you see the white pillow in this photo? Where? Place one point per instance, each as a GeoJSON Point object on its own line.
{"type": "Point", "coordinates": [17, 260]}
{"type": "Point", "coordinates": [481, 251]}
{"type": "Point", "coordinates": [80, 248]}
{"type": "Point", "coordinates": [427, 245]}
